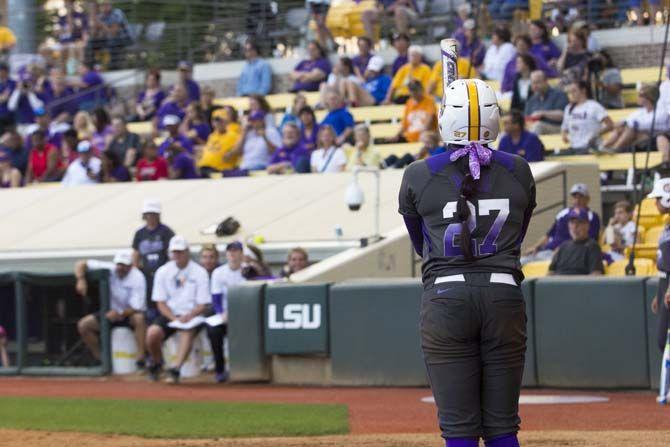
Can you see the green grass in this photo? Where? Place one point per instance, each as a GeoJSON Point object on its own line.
{"type": "Point", "coordinates": [172, 419]}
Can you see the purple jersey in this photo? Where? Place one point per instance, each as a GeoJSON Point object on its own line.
{"type": "Point", "coordinates": [306, 66]}
{"type": "Point", "coordinates": [559, 232]}
{"type": "Point", "coordinates": [186, 166]}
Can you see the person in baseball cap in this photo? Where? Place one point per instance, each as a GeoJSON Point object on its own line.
{"type": "Point", "coordinates": [174, 138]}
{"type": "Point", "coordinates": [376, 85]}
{"type": "Point", "coordinates": [581, 255]}
{"type": "Point", "coordinates": [185, 70]}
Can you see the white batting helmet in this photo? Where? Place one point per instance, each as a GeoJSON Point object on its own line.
{"type": "Point", "coordinates": [470, 113]}
{"type": "Point", "coordinates": [661, 191]}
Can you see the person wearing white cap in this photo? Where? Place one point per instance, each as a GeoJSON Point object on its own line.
{"type": "Point", "coordinates": [85, 170]}
{"type": "Point", "coordinates": [174, 138]}
{"type": "Point", "coordinates": [415, 69]}
{"type": "Point", "coordinates": [559, 231]}
{"type": "Point", "coordinates": [661, 302]}
{"type": "Point", "coordinates": [181, 292]}
{"type": "Point", "coordinates": [373, 90]}
{"type": "Point", "coordinates": [127, 291]}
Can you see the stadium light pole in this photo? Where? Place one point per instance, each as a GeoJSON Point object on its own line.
{"type": "Point", "coordinates": [355, 197]}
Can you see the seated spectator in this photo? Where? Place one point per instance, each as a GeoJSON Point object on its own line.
{"type": "Point", "coordinates": [420, 114]}
{"type": "Point", "coordinates": [309, 73]}
{"type": "Point", "coordinates": [221, 142]}
{"type": "Point", "coordinates": [103, 133]}
{"type": "Point", "coordinates": [498, 54]}
{"type": "Point", "coordinates": [542, 46]}
{"type": "Point", "coordinates": [175, 104]}
{"type": "Point", "coordinates": [113, 35]}
{"type": "Point", "coordinates": [185, 78]}
{"type": "Point", "coordinates": [292, 112]}
{"type": "Point", "coordinates": [621, 230]}
{"type": "Point", "coordinates": [10, 177]}
{"type": "Point", "coordinates": [581, 254]}
{"type": "Point", "coordinates": [638, 11]}
{"type": "Point", "coordinates": [62, 103]}
{"type": "Point", "coordinates": [609, 83]}
{"type": "Point", "coordinates": [83, 124]}
{"type": "Point", "coordinates": [342, 75]}
{"type": "Point", "coordinates": [470, 46]}
{"type": "Point", "coordinates": [415, 69]}
{"type": "Point", "coordinates": [209, 258]}
{"type": "Point", "coordinates": [254, 266]}
{"type": "Point", "coordinates": [338, 117]}
{"type": "Point", "coordinates": [544, 109]}
{"type": "Point", "coordinates": [401, 43]}
{"type": "Point", "coordinates": [522, 44]}
{"type": "Point", "coordinates": [362, 153]}
{"type": "Point", "coordinates": [373, 91]}
{"type": "Point", "coordinates": [7, 87]}
{"type": "Point", "coordinates": [124, 144]}
{"type": "Point", "coordinates": [72, 36]}
{"type": "Point", "coordinates": [637, 126]}
{"type": "Point", "coordinates": [291, 155]}
{"type": "Point", "coordinates": [90, 88]}
{"type": "Point", "coordinates": [463, 13]}
{"type": "Point", "coordinates": [67, 151]}
{"type": "Point", "coordinates": [181, 291]}
{"type": "Point", "coordinates": [328, 157]}
{"type": "Point", "coordinates": [362, 59]}
{"type": "Point", "coordinates": [431, 145]}
{"type": "Point", "coordinates": [4, 357]}
{"type": "Point", "coordinates": [24, 103]}
{"type": "Point", "coordinates": [258, 103]}
{"type": "Point", "coordinates": [151, 166]}
{"type": "Point", "coordinates": [257, 144]}
{"type": "Point", "coordinates": [85, 170]}
{"type": "Point", "coordinates": [53, 129]}
{"type": "Point", "coordinates": [113, 170]}
{"type": "Point", "coordinates": [174, 138]}
{"type": "Point", "coordinates": [310, 128]}
{"type": "Point", "coordinates": [207, 97]}
{"type": "Point", "coordinates": [403, 12]}
{"type": "Point", "coordinates": [223, 278]}
{"type": "Point", "coordinates": [43, 161]}
{"type": "Point", "coordinates": [12, 143]}
{"type": "Point", "coordinates": [319, 11]}
{"type": "Point", "coordinates": [575, 58]}
{"type": "Point", "coordinates": [559, 232]}
{"type": "Point", "coordinates": [181, 165]}
{"type": "Point", "coordinates": [150, 99]}
{"type": "Point", "coordinates": [525, 65]}
{"type": "Point", "coordinates": [194, 125]}
{"type": "Point", "coordinates": [297, 260]}
{"type": "Point", "coordinates": [517, 140]}
{"type": "Point", "coordinates": [256, 76]}
{"type": "Point", "coordinates": [127, 302]}
{"type": "Point", "coordinates": [584, 120]}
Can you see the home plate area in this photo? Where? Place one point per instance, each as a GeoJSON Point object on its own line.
{"type": "Point", "coordinates": [538, 399]}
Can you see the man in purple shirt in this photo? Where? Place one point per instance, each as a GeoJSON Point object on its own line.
{"type": "Point", "coordinates": [24, 102]}
{"type": "Point", "coordinates": [7, 86]}
{"type": "Point", "coordinates": [90, 88]}
{"type": "Point", "coordinates": [185, 70]}
{"type": "Point", "coordinates": [175, 104]}
{"type": "Point", "coordinates": [171, 124]}
{"type": "Point", "coordinates": [401, 44]}
{"type": "Point", "coordinates": [309, 73]}
{"type": "Point", "coordinates": [523, 43]}
{"type": "Point", "coordinates": [361, 60]}
{"type": "Point", "coordinates": [517, 140]}
{"type": "Point", "coordinates": [181, 165]}
{"type": "Point", "coordinates": [291, 155]}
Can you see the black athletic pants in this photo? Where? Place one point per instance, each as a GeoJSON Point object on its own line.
{"type": "Point", "coordinates": [473, 337]}
{"type": "Point", "coordinates": [663, 314]}
{"type": "Point", "coordinates": [216, 336]}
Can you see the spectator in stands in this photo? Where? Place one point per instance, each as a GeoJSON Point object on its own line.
{"type": "Point", "coordinates": [24, 102]}
{"type": "Point", "coordinates": [401, 43]}
{"type": "Point", "coordinates": [559, 231]}
{"type": "Point", "coordinates": [291, 155]}
{"type": "Point", "coordinates": [185, 72]}
{"type": "Point", "coordinates": [309, 73]}
{"type": "Point", "coordinates": [113, 35]}
{"type": "Point", "coordinates": [525, 65]}
{"type": "Point", "coordinates": [10, 177]}
{"type": "Point", "coordinates": [338, 117]}
{"type": "Point", "coordinates": [310, 128]}
{"type": "Point", "coordinates": [67, 151]}
{"type": "Point", "coordinates": [83, 124]}
{"type": "Point", "coordinates": [581, 254]}
{"type": "Point", "coordinates": [194, 125]}
{"type": "Point", "coordinates": [362, 59]}
{"type": "Point", "coordinates": [258, 103]}
{"type": "Point", "coordinates": [637, 126]}
{"type": "Point", "coordinates": [609, 82]}
{"type": "Point", "coordinates": [113, 170]}
{"type": "Point", "coordinates": [90, 88]}
{"type": "Point", "coordinates": [339, 78]}
{"type": "Point", "coordinates": [72, 36]}
{"type": "Point", "coordinates": [517, 140]}
{"type": "Point", "coordinates": [297, 260]}
{"type": "Point", "coordinates": [498, 54]}
{"type": "Point", "coordinates": [257, 144]}
{"type": "Point", "coordinates": [319, 11]}
{"type": "Point", "coordinates": [542, 46]}
{"type": "Point", "coordinates": [7, 41]}
{"type": "Point", "coordinates": [181, 292]}
{"type": "Point", "coordinates": [470, 47]}
{"type": "Point", "coordinates": [621, 230]}
{"type": "Point", "coordinates": [175, 105]}
{"type": "Point", "coordinates": [293, 111]}
{"type": "Point", "coordinates": [209, 258]}
{"type": "Point", "coordinates": [103, 133]}
{"type": "Point", "coordinates": [223, 278]}
{"type": "Point", "coordinates": [375, 87]}
{"type": "Point", "coordinates": [43, 162]}
{"type": "Point", "coordinates": [431, 145]}
{"type": "Point", "coordinates": [420, 114]}
{"type": "Point", "coordinates": [584, 120]}
{"type": "Point", "coordinates": [362, 153]}
{"type": "Point", "coordinates": [4, 357]}
{"type": "Point", "coordinates": [207, 97]}
{"type": "Point", "coordinates": [638, 13]}
{"type": "Point", "coordinates": [85, 170]}
{"type": "Point", "coordinates": [151, 166]}
{"type": "Point", "coordinates": [415, 69]}
{"type": "Point", "coordinates": [61, 104]}
{"type": "Point", "coordinates": [221, 142]}
{"type": "Point", "coordinates": [403, 12]}
{"type": "Point", "coordinates": [123, 143]}
{"type": "Point", "coordinates": [575, 57]}
{"type": "Point", "coordinates": [150, 99]}
{"type": "Point", "coordinates": [181, 165]}
{"type": "Point", "coordinates": [175, 138]}
{"type": "Point", "coordinates": [7, 87]}
{"type": "Point", "coordinates": [522, 43]}
{"type": "Point", "coordinates": [544, 109]}
{"type": "Point", "coordinates": [12, 143]}
{"type": "Point", "coordinates": [256, 76]}
{"type": "Point", "coordinates": [254, 266]}
{"type": "Point", "coordinates": [328, 157]}
{"type": "Point", "coordinates": [42, 121]}
{"type": "Point", "coordinates": [127, 302]}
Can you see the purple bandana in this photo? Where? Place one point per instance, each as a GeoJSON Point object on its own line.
{"type": "Point", "coordinates": [478, 156]}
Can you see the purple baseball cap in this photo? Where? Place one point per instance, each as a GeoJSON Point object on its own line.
{"type": "Point", "coordinates": [578, 214]}
{"type": "Point", "coordinates": [257, 115]}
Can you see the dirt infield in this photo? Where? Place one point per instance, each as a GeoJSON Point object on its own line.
{"type": "Point", "coordinates": [378, 416]}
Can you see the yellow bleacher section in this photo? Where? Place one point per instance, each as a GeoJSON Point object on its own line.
{"type": "Point", "coordinates": [536, 269]}
{"type": "Point", "coordinates": [643, 267]}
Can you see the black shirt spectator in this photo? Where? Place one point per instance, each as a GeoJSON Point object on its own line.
{"type": "Point", "coordinates": [13, 144]}
{"type": "Point", "coordinates": [521, 92]}
{"type": "Point", "coordinates": [124, 144]}
{"type": "Point", "coordinates": [581, 255]}
{"type": "Point", "coordinates": [544, 109]}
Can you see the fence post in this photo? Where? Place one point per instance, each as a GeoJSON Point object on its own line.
{"type": "Point", "coordinates": [105, 329]}
{"type": "Point", "coordinates": [20, 323]}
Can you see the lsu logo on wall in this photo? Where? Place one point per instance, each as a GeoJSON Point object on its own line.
{"type": "Point", "coordinates": [295, 316]}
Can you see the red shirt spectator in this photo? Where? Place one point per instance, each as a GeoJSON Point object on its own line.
{"type": "Point", "coordinates": [43, 161]}
{"type": "Point", "coordinates": [151, 166]}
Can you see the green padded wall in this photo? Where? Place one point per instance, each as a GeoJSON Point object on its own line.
{"type": "Point", "coordinates": [652, 323]}
{"type": "Point", "coordinates": [245, 333]}
{"type": "Point", "coordinates": [530, 371]}
{"type": "Point", "coordinates": [591, 332]}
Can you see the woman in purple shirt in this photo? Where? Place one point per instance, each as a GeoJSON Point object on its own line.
{"type": "Point", "coordinates": [194, 125]}
{"type": "Point", "coordinates": [518, 141]}
{"type": "Point", "coordinates": [310, 128]}
{"type": "Point", "coordinates": [150, 99]}
{"type": "Point", "coordinates": [103, 130]}
{"type": "Point", "coordinates": [523, 44]}
{"type": "Point", "coordinates": [542, 46]}
{"type": "Point", "coordinates": [309, 73]}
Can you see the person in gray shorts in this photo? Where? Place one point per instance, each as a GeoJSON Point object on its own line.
{"type": "Point", "coordinates": [467, 211]}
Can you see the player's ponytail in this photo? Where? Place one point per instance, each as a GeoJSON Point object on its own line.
{"type": "Point", "coordinates": [468, 189]}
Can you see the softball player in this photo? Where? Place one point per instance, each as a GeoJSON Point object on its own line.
{"type": "Point", "coordinates": [467, 211]}
{"type": "Point", "coordinates": [661, 302]}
